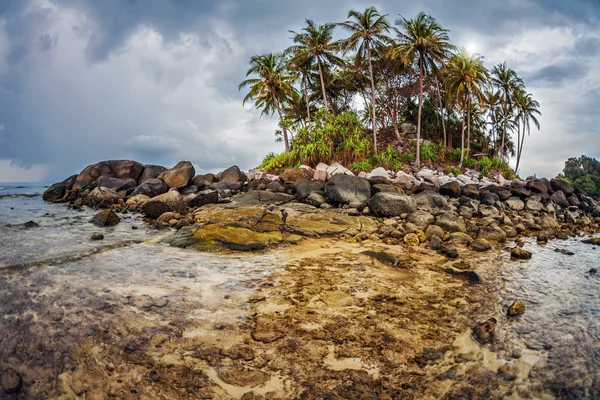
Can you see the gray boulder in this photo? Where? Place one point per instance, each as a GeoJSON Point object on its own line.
{"type": "Point", "coordinates": [421, 219]}
{"type": "Point", "coordinates": [431, 201]}
{"type": "Point", "coordinates": [560, 199]}
{"type": "Point", "coordinates": [202, 198]}
{"type": "Point", "coordinates": [515, 204]}
{"type": "Point", "coordinates": [203, 181]}
{"type": "Point", "coordinates": [151, 188]}
{"type": "Point", "coordinates": [450, 222]}
{"type": "Point", "coordinates": [386, 204]}
{"type": "Point", "coordinates": [533, 205]}
{"type": "Point", "coordinates": [346, 189]}
{"type": "Point", "coordinates": [564, 186]}
{"type": "Point", "coordinates": [102, 197]}
{"type": "Point", "coordinates": [150, 172]}
{"type": "Point", "coordinates": [170, 201]}
{"type": "Point", "coordinates": [450, 189]}
{"type": "Point", "coordinates": [305, 188]}
{"type": "Point", "coordinates": [106, 218]}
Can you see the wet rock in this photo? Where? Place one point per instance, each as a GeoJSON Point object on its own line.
{"type": "Point", "coordinates": [151, 187]}
{"type": "Point", "coordinates": [493, 233]}
{"type": "Point", "coordinates": [10, 381]}
{"type": "Point", "coordinates": [435, 243]}
{"type": "Point", "coordinates": [179, 176]}
{"type": "Point", "coordinates": [315, 199]}
{"type": "Point", "coordinates": [102, 197]}
{"type": "Point", "coordinates": [471, 276]}
{"type": "Point", "coordinates": [560, 199]}
{"type": "Point", "coordinates": [481, 245]}
{"type": "Point", "coordinates": [392, 204]}
{"type": "Point", "coordinates": [520, 253]}
{"type": "Point", "coordinates": [593, 241]}
{"type": "Point", "coordinates": [484, 331]}
{"type": "Point", "coordinates": [489, 198]}
{"type": "Point", "coordinates": [346, 189]}
{"type": "Point", "coordinates": [450, 252]}
{"type": "Point", "coordinates": [471, 191]}
{"type": "Point", "coordinates": [460, 238]}
{"type": "Point", "coordinates": [57, 191]}
{"type": "Point", "coordinates": [97, 236]}
{"type": "Point", "coordinates": [515, 204]}
{"type": "Point", "coordinates": [31, 224]}
{"type": "Point", "coordinates": [106, 218]}
{"type": "Point", "coordinates": [434, 230]}
{"type": "Point", "coordinates": [516, 308]}
{"type": "Point", "coordinates": [564, 251]}
{"type": "Point", "coordinates": [421, 219]}
{"type": "Point", "coordinates": [593, 271]}
{"type": "Point", "coordinates": [450, 189]}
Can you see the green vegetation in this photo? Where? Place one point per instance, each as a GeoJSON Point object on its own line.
{"type": "Point", "coordinates": [584, 173]}
{"type": "Point", "coordinates": [389, 76]}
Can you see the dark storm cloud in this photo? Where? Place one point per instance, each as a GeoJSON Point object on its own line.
{"type": "Point", "coordinates": [82, 80]}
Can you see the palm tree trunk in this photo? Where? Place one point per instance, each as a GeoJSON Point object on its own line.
{"type": "Point", "coordinates": [306, 94]}
{"type": "Point", "coordinates": [469, 123]}
{"type": "Point", "coordinates": [505, 117]}
{"type": "Point", "coordinates": [372, 99]}
{"type": "Point", "coordinates": [439, 93]}
{"type": "Point", "coordinates": [285, 134]}
{"type": "Point", "coordinates": [418, 158]}
{"type": "Point", "coordinates": [518, 145]}
{"type": "Point", "coordinates": [322, 84]}
{"type": "Point", "coordinates": [395, 125]}
{"type": "Point", "coordinates": [462, 146]}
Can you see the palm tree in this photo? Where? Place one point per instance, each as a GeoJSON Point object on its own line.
{"type": "Point", "coordinates": [317, 41]}
{"type": "Point", "coordinates": [272, 85]}
{"type": "Point", "coordinates": [507, 81]}
{"type": "Point", "coordinates": [465, 78]}
{"type": "Point", "coordinates": [493, 109]}
{"type": "Point", "coordinates": [367, 33]}
{"type": "Point", "coordinates": [302, 63]}
{"type": "Point", "coordinates": [424, 40]}
{"type": "Point", "coordinates": [527, 108]}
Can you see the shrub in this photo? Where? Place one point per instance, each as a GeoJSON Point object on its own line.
{"type": "Point", "coordinates": [275, 163]}
{"type": "Point", "coordinates": [364, 165]}
{"type": "Point", "coordinates": [452, 170]}
{"type": "Point", "coordinates": [431, 152]}
{"type": "Point", "coordinates": [388, 159]}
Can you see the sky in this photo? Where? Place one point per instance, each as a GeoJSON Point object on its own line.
{"type": "Point", "coordinates": [157, 80]}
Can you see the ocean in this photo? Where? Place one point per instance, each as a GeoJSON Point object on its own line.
{"type": "Point", "coordinates": [58, 288]}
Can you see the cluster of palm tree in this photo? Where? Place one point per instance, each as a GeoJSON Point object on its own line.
{"type": "Point", "coordinates": [382, 70]}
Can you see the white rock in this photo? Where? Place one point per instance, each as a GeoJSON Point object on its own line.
{"type": "Point", "coordinates": [337, 169]}
{"type": "Point", "coordinates": [424, 173]}
{"type": "Point", "coordinates": [465, 180]}
{"type": "Point", "coordinates": [320, 175]}
{"type": "Point", "coordinates": [363, 174]}
{"type": "Point", "coordinates": [322, 167]}
{"type": "Point", "coordinates": [380, 171]}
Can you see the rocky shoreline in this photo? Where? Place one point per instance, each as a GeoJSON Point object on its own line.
{"type": "Point", "coordinates": [233, 210]}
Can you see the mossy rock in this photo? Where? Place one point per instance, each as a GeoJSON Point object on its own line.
{"type": "Point", "coordinates": [411, 239]}
{"type": "Point", "coordinates": [215, 237]}
{"type": "Point", "coordinates": [516, 308]}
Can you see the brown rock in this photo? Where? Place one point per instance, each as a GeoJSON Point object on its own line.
{"type": "Point", "coordinates": [484, 331]}
{"type": "Point", "coordinates": [106, 218]}
{"type": "Point", "coordinates": [10, 381]}
{"type": "Point", "coordinates": [179, 176]}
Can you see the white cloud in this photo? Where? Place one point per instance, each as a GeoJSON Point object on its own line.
{"type": "Point", "coordinates": [11, 172]}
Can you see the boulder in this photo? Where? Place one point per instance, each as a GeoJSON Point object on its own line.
{"type": "Point", "coordinates": [167, 217]}
{"type": "Point", "coordinates": [381, 173]}
{"type": "Point", "coordinates": [232, 174]}
{"type": "Point", "coordinates": [384, 187]}
{"type": "Point", "coordinates": [493, 233]}
{"type": "Point", "coordinates": [434, 230]}
{"type": "Point", "coordinates": [305, 188]}
{"type": "Point", "coordinates": [450, 189]}
{"type": "Point", "coordinates": [516, 308]}
{"type": "Point", "coordinates": [411, 239]}
{"type": "Point", "coordinates": [391, 204]}
{"type": "Point", "coordinates": [538, 185]}
{"type": "Point", "coordinates": [346, 189]}
{"type": "Point", "coordinates": [471, 191]}
{"type": "Point", "coordinates": [315, 199]}
{"type": "Point", "coordinates": [560, 199]}
{"type": "Point", "coordinates": [481, 245]}
{"type": "Point", "coordinates": [106, 218]}
{"type": "Point", "coordinates": [150, 172]}
{"type": "Point", "coordinates": [121, 169]}
{"type": "Point", "coordinates": [338, 169]}
{"type": "Point", "coordinates": [136, 202]}
{"type": "Point", "coordinates": [223, 188]}
{"type": "Point", "coordinates": [102, 197]}
{"type": "Point", "coordinates": [489, 198]}
{"type": "Point", "coordinates": [115, 183]}
{"type": "Point", "coordinates": [450, 222]}
{"type": "Point", "coordinates": [515, 204]}
{"type": "Point", "coordinates": [573, 200]}
{"type": "Point", "coordinates": [431, 201]}
{"type": "Point", "coordinates": [421, 219]}
{"type": "Point", "coordinates": [295, 174]}
{"type": "Point", "coordinates": [519, 191]}
{"type": "Point", "coordinates": [408, 128]}
{"type": "Point", "coordinates": [170, 201]}
{"type": "Point", "coordinates": [203, 181]}
{"type": "Point", "coordinates": [533, 205]}
{"type": "Point", "coordinates": [179, 176]}
{"type": "Point", "coordinates": [520, 253]}
{"type": "Point", "coordinates": [564, 186]}
{"type": "Point", "coordinates": [57, 191]}
{"type": "Point", "coordinates": [405, 181]}
{"type": "Point", "coordinates": [151, 188]}
{"type": "Point", "coordinates": [204, 197]}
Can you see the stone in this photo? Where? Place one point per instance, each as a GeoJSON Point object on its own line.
{"type": "Point", "coordinates": [136, 202]}
{"type": "Point", "coordinates": [434, 230]}
{"type": "Point", "coordinates": [170, 201]}
{"type": "Point", "coordinates": [493, 233]}
{"type": "Point", "coordinates": [520, 253]}
{"type": "Point", "coordinates": [167, 217]}
{"type": "Point", "coordinates": [563, 186]}
{"type": "Point", "coordinates": [519, 190]}
{"type": "Point", "coordinates": [451, 189]}
{"type": "Point", "coordinates": [484, 331]}
{"type": "Point", "coordinates": [488, 211]}
{"type": "Point", "coordinates": [460, 238]}
{"type": "Point", "coordinates": [295, 174]}
{"type": "Point", "coordinates": [179, 176]}
{"type": "Point", "coordinates": [384, 187]}
{"type": "Point", "coordinates": [121, 169]}
{"type": "Point", "coordinates": [432, 202]}
{"type": "Point", "coordinates": [338, 169]}
{"type": "Point", "coordinates": [115, 183]}
{"type": "Point", "coordinates": [202, 198]}
{"type": "Point", "coordinates": [405, 181]}
{"type": "Point", "coordinates": [450, 222]}
{"type": "Point", "coordinates": [489, 198]}
{"type": "Point", "coordinates": [10, 381]}
{"type": "Point", "coordinates": [421, 219]}
{"type": "Point", "coordinates": [515, 204]}
{"type": "Point", "coordinates": [408, 128]}
{"type": "Point", "coordinates": [391, 204]}
{"type": "Point", "coordinates": [471, 191]}
{"type": "Point", "coordinates": [102, 197]}
{"type": "Point", "coordinates": [573, 201]}
{"type": "Point", "coordinates": [106, 218]}
{"type": "Point", "coordinates": [346, 189]}
{"type": "Point", "coordinates": [203, 181]}
{"type": "Point", "coordinates": [57, 191]}
{"type": "Point", "coordinates": [305, 188]}
{"type": "Point", "coordinates": [538, 185]}
{"type": "Point", "coordinates": [379, 172]}
{"type": "Point", "coordinates": [315, 199]}
{"type": "Point", "coordinates": [412, 239]}
{"type": "Point", "coordinates": [320, 175]}
{"type": "Point", "coordinates": [150, 172]}
{"type": "Point", "coordinates": [232, 175]}
{"type": "Point", "coordinates": [560, 199]}
{"type": "Point", "coordinates": [223, 188]}
{"type": "Point", "coordinates": [533, 205]}
{"type": "Point", "coordinates": [151, 187]}
{"type": "Point", "coordinates": [481, 245]}
{"type": "Point", "coordinates": [97, 236]}
{"type": "Point", "coordinates": [435, 243]}
{"type": "Point", "coordinates": [516, 308]}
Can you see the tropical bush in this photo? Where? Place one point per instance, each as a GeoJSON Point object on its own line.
{"type": "Point", "coordinates": [584, 173]}
{"type": "Point", "coordinates": [452, 170]}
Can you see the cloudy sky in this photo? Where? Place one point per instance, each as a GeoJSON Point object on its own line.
{"type": "Point", "coordinates": [156, 80]}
